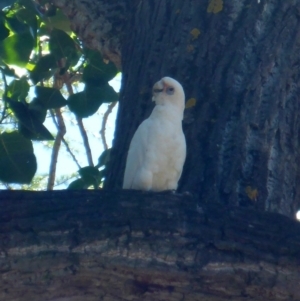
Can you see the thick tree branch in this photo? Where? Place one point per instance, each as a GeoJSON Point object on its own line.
{"type": "Point", "coordinates": [126, 245]}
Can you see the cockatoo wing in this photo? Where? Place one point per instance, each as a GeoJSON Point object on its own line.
{"type": "Point", "coordinates": [156, 156]}
{"type": "Point", "coordinates": [136, 159]}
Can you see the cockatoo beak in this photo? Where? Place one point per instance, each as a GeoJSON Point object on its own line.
{"type": "Point", "coordinates": [157, 88]}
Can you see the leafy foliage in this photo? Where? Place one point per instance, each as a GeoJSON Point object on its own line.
{"type": "Point", "coordinates": [98, 71]}
{"type": "Point", "coordinates": [17, 160]}
{"type": "Point", "coordinates": [38, 38]}
{"type": "Point", "coordinates": [87, 102]}
{"type": "Point", "coordinates": [50, 98]}
{"type": "Point", "coordinates": [18, 89]}
{"type": "Point", "coordinates": [62, 46]}
{"type": "Point", "coordinates": [91, 176]}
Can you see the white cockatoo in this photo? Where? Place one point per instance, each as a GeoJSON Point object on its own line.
{"type": "Point", "coordinates": [157, 150]}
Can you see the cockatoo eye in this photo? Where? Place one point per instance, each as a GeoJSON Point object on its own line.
{"type": "Point", "coordinates": [170, 90]}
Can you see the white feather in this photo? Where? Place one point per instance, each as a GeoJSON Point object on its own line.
{"type": "Point", "coordinates": [157, 150]}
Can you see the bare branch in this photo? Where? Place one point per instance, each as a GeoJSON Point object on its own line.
{"type": "Point", "coordinates": [67, 145]}
{"type": "Point", "coordinates": [70, 152]}
{"type": "Point", "coordinates": [104, 121]}
{"type": "Point", "coordinates": [85, 141]}
{"type": "Point", "coordinates": [81, 126]}
{"type": "Point", "coordinates": [58, 82]}
{"type": "Point", "coordinates": [59, 137]}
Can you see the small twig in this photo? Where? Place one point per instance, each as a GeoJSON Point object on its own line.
{"type": "Point", "coordinates": [104, 121]}
{"type": "Point", "coordinates": [81, 129]}
{"type": "Point", "coordinates": [61, 131]}
{"type": "Point", "coordinates": [85, 141]}
{"type": "Point", "coordinates": [58, 139]}
{"type": "Point", "coordinates": [70, 152]}
{"type": "Point", "coordinates": [65, 142]}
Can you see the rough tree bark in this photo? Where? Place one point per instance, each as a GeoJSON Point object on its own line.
{"type": "Point", "coordinates": [102, 245]}
{"type": "Point", "coordinates": [243, 71]}
{"type": "Point", "coordinates": [241, 65]}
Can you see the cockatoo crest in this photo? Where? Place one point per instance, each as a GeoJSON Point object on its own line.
{"type": "Point", "coordinates": [157, 150]}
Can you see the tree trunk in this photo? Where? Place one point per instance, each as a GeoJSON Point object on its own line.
{"type": "Point", "coordinates": [238, 61]}
{"type": "Point", "coordinates": [241, 65]}
{"type": "Point", "coordinates": [124, 245]}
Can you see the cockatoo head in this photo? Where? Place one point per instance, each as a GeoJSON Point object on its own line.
{"type": "Point", "coordinates": [168, 91]}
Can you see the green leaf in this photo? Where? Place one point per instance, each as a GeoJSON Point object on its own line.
{"type": "Point", "coordinates": [77, 184]}
{"type": "Point", "coordinates": [44, 68]}
{"type": "Point", "coordinates": [107, 93]}
{"type": "Point", "coordinates": [16, 49]}
{"type": "Point", "coordinates": [37, 131]}
{"type": "Point", "coordinates": [104, 158]}
{"type": "Point", "coordinates": [80, 105]}
{"type": "Point", "coordinates": [62, 46]}
{"type": "Point", "coordinates": [28, 17]}
{"type": "Point", "coordinates": [84, 104]}
{"type": "Point", "coordinates": [87, 102]}
{"type": "Point", "coordinates": [90, 175]}
{"type": "Point", "coordinates": [4, 32]}
{"type": "Point", "coordinates": [51, 98]}
{"type": "Point", "coordinates": [37, 108]}
{"type": "Point", "coordinates": [98, 71]}
{"type": "Point", "coordinates": [17, 160]}
{"type": "Point", "coordinates": [19, 109]}
{"type": "Point", "coordinates": [29, 123]}
{"type": "Point", "coordinates": [18, 89]}
{"type": "Point", "coordinates": [16, 25]}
